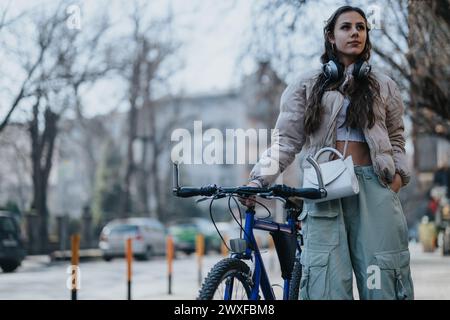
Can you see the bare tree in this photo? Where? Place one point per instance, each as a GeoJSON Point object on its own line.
{"type": "Point", "coordinates": [42, 146]}
{"type": "Point", "coordinates": [147, 64]}
{"type": "Point", "coordinates": [97, 63]}
{"type": "Point", "coordinates": [413, 48]}
{"type": "Point", "coordinates": [274, 35]}
{"type": "Point", "coordinates": [52, 83]}
{"type": "Point", "coordinates": [50, 101]}
{"type": "Point", "coordinates": [262, 91]}
{"type": "Point", "coordinates": [429, 61]}
{"type": "Point", "coordinates": [16, 168]}
{"type": "Point", "coordinates": [44, 41]}
{"type": "Point", "coordinates": [5, 19]}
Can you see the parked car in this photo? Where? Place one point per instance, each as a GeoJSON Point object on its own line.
{"type": "Point", "coordinates": [12, 251]}
{"type": "Point", "coordinates": [184, 233]}
{"type": "Point", "coordinates": [148, 235]}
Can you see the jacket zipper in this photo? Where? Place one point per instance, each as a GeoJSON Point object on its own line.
{"type": "Point", "coordinates": [334, 116]}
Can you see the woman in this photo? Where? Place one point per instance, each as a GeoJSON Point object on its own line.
{"type": "Point", "coordinates": [366, 233]}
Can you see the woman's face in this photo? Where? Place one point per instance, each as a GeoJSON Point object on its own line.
{"type": "Point", "coordinates": [349, 35]}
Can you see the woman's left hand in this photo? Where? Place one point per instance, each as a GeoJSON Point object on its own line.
{"type": "Point", "coordinates": [397, 183]}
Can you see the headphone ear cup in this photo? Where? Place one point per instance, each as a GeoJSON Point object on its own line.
{"type": "Point", "coordinates": [326, 70]}
{"type": "Point", "coordinates": [340, 68]}
{"type": "Point", "coordinates": [333, 71]}
{"type": "Point", "coordinates": [362, 69]}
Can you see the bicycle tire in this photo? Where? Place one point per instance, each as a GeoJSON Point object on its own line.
{"type": "Point", "coordinates": [294, 285]}
{"type": "Point", "coordinates": [226, 268]}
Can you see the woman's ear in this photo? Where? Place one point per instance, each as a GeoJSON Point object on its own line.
{"type": "Point", "coordinates": [330, 37]}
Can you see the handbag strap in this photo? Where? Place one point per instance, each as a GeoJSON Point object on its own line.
{"type": "Point", "coordinates": [331, 125]}
{"type": "Point", "coordinates": [332, 150]}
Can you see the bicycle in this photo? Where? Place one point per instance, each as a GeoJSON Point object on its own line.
{"type": "Point", "coordinates": [232, 276]}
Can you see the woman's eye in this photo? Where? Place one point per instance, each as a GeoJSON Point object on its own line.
{"type": "Point", "coordinates": [361, 28]}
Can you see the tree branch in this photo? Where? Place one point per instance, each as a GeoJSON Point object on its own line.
{"type": "Point", "coordinates": [391, 61]}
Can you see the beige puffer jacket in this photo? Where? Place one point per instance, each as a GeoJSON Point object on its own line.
{"type": "Point", "coordinates": [385, 139]}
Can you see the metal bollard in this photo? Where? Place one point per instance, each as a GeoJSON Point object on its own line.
{"type": "Point", "coordinates": [75, 240]}
{"type": "Point", "coordinates": [170, 254]}
{"type": "Point", "coordinates": [223, 247]}
{"type": "Point", "coordinates": [129, 255]}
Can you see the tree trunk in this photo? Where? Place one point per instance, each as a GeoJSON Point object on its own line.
{"type": "Point", "coordinates": [42, 146]}
{"type": "Point", "coordinates": [132, 124]}
{"type": "Point", "coordinates": [143, 177]}
{"type": "Point", "coordinates": [126, 207]}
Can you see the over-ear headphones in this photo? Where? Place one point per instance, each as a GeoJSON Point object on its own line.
{"type": "Point", "coordinates": [334, 70]}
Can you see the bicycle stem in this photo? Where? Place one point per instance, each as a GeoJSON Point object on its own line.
{"type": "Point", "coordinates": [176, 186]}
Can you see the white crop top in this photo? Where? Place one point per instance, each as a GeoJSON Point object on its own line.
{"type": "Point", "coordinates": [355, 134]}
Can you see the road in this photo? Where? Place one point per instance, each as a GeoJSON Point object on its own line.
{"type": "Point", "coordinates": [37, 278]}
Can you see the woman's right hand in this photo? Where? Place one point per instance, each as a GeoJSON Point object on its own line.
{"type": "Point", "coordinates": [249, 201]}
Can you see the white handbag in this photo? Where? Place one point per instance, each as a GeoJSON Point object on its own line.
{"type": "Point", "coordinates": [338, 176]}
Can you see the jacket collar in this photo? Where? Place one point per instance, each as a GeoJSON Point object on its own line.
{"type": "Point", "coordinates": [348, 78]}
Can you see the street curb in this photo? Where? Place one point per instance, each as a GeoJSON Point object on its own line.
{"type": "Point", "coordinates": [84, 255]}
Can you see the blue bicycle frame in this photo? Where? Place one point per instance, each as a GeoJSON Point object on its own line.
{"type": "Point", "coordinates": [260, 277]}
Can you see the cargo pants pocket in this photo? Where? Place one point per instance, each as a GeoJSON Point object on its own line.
{"type": "Point", "coordinates": [395, 206]}
{"type": "Point", "coordinates": [395, 275]}
{"type": "Point", "coordinates": [314, 281]}
{"type": "Point", "coordinates": [322, 223]}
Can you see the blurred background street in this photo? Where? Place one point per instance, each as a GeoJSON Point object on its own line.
{"type": "Point", "coordinates": [39, 279]}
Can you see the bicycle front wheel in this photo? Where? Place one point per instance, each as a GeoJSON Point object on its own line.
{"type": "Point", "coordinates": [294, 286]}
{"type": "Point", "coordinates": [229, 279]}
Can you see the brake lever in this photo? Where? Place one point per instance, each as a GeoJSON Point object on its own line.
{"type": "Point", "coordinates": [203, 199]}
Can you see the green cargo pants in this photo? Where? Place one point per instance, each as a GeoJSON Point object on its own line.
{"type": "Point", "coordinates": [366, 233]}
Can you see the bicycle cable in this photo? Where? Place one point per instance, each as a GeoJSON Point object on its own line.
{"type": "Point", "coordinates": [214, 223]}
{"type": "Point", "coordinates": [233, 216]}
{"type": "Point", "coordinates": [240, 214]}
{"type": "Point", "coordinates": [261, 204]}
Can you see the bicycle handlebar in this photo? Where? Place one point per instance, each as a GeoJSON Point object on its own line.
{"type": "Point", "coordinates": [279, 190]}
{"type": "Point", "coordinates": [282, 191]}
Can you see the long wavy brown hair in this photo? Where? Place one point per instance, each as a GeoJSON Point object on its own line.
{"type": "Point", "coordinates": [363, 92]}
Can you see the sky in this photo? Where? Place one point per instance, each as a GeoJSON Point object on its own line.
{"type": "Point", "coordinates": [213, 45]}
{"type": "Point", "coordinates": [211, 39]}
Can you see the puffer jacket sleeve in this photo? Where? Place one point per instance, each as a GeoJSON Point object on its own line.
{"type": "Point", "coordinates": [396, 128]}
{"type": "Point", "coordinates": [288, 136]}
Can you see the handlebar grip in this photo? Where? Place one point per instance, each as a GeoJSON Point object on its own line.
{"type": "Point", "coordinates": [308, 193]}
{"type": "Point", "coordinates": [285, 191]}
{"type": "Point", "coordinates": [187, 192]}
